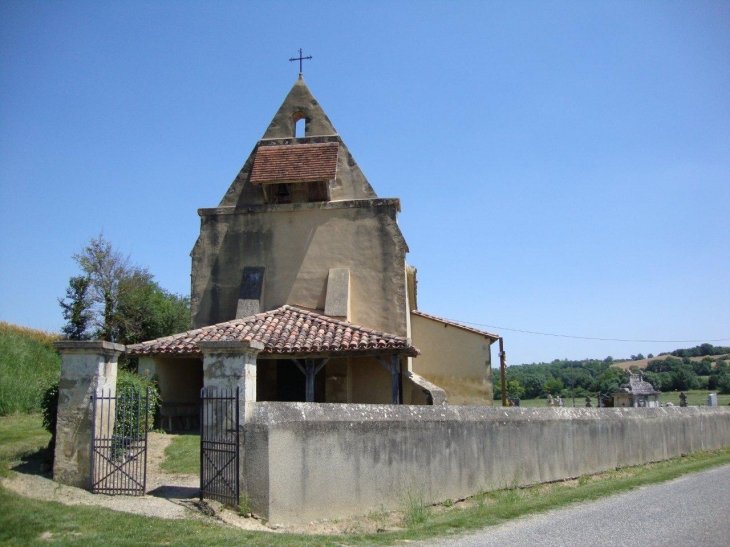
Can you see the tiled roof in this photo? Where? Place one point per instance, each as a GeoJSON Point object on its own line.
{"type": "Point", "coordinates": [286, 330]}
{"type": "Point", "coordinates": [295, 163]}
{"type": "Point", "coordinates": [637, 386]}
{"type": "Point", "coordinates": [454, 324]}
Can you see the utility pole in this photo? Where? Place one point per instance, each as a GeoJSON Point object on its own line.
{"type": "Point", "coordinates": [502, 372]}
{"type": "Point", "coordinates": [572, 382]}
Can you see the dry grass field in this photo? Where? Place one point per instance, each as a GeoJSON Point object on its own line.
{"type": "Point", "coordinates": [642, 363]}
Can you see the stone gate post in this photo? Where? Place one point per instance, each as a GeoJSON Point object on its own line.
{"type": "Point", "coordinates": [228, 365]}
{"type": "Point", "coordinates": [85, 366]}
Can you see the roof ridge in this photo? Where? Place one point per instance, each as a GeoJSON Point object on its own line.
{"type": "Point", "coordinates": [455, 324]}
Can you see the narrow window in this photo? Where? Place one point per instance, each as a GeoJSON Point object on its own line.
{"type": "Point", "coordinates": [300, 125]}
{"type": "Point", "coordinates": [299, 128]}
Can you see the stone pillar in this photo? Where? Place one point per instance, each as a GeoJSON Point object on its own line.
{"type": "Point", "coordinates": [228, 365]}
{"type": "Point", "coordinates": [85, 366]}
{"type": "Point", "coordinates": [231, 365]}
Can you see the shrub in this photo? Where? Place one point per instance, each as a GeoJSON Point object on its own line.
{"type": "Point", "coordinates": [49, 408]}
{"type": "Point", "coordinates": [129, 383]}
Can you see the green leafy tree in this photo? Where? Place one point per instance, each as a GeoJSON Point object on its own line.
{"type": "Point", "coordinates": [723, 383]}
{"type": "Point", "coordinates": [148, 311]}
{"type": "Point", "coordinates": [77, 308]}
{"type": "Point", "coordinates": [703, 367]}
{"type": "Point", "coordinates": [685, 378]}
{"type": "Point", "coordinates": [553, 386]}
{"type": "Point", "coordinates": [514, 389]}
{"type": "Point", "coordinates": [119, 300]}
{"type": "Point", "coordinates": [610, 380]}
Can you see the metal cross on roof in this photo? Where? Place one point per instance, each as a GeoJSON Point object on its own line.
{"type": "Point", "coordinates": [300, 59]}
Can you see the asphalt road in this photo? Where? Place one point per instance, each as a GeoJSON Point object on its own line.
{"type": "Point", "coordinates": [693, 510]}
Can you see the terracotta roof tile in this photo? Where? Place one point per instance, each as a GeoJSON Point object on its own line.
{"type": "Point", "coordinates": [295, 163]}
{"type": "Point", "coordinates": [454, 324]}
{"type": "Point", "coordinates": [282, 331]}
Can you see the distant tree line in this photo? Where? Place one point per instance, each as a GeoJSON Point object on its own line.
{"type": "Point", "coordinates": [701, 351]}
{"type": "Point", "coordinates": [592, 376]}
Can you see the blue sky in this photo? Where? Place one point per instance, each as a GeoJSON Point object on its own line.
{"type": "Point", "coordinates": [563, 167]}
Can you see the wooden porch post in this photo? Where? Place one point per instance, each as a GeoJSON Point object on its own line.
{"type": "Point", "coordinates": [309, 375]}
{"type": "Point", "coordinates": [395, 377]}
{"type": "Point", "coordinates": [310, 370]}
{"type": "Point", "coordinates": [395, 380]}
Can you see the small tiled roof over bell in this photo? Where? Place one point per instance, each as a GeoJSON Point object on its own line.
{"type": "Point", "coordinates": [295, 163]}
{"type": "Point", "coordinates": [286, 330]}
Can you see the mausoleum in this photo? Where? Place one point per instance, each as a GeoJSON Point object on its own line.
{"type": "Point", "coordinates": [636, 393]}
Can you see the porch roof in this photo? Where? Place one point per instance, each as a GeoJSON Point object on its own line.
{"type": "Point", "coordinates": [286, 330]}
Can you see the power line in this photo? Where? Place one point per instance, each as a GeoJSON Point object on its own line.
{"type": "Point", "coordinates": [593, 337]}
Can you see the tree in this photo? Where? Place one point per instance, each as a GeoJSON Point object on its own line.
{"type": "Point", "coordinates": [120, 300]}
{"type": "Point", "coordinates": [514, 389]}
{"type": "Point", "coordinates": [77, 308]}
{"type": "Point", "coordinates": [610, 380]}
{"type": "Point", "coordinates": [685, 378]}
{"type": "Point", "coordinates": [723, 383]}
{"type": "Point", "coordinates": [148, 311]}
{"type": "Point", "coordinates": [107, 271]}
{"type": "Point", "coordinates": [554, 386]}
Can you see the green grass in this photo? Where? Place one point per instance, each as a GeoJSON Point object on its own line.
{"type": "Point", "coordinates": [183, 455]}
{"type": "Point", "coordinates": [25, 521]}
{"type": "Point", "coordinates": [696, 397]}
{"type": "Point", "coordinates": [28, 365]}
{"type": "Point", "coordinates": [20, 436]}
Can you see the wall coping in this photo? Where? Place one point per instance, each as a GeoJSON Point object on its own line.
{"type": "Point", "coordinates": [287, 207]}
{"type": "Point", "coordinates": [88, 346]}
{"type": "Point", "coordinates": [272, 414]}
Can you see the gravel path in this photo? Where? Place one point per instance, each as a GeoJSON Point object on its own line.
{"type": "Point", "coordinates": [168, 496]}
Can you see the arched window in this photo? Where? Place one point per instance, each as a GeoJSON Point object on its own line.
{"type": "Point", "coordinates": [300, 125]}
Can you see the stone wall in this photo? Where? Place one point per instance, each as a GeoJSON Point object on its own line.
{"type": "Point", "coordinates": [309, 461]}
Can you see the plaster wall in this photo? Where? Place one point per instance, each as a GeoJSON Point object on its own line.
{"type": "Point", "coordinates": [370, 382]}
{"type": "Point", "coordinates": [298, 244]}
{"type": "Point", "coordinates": [447, 350]}
{"type": "Point", "coordinates": [179, 378]}
{"type": "Point", "coordinates": [309, 461]}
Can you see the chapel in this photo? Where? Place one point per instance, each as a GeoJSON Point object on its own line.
{"type": "Point", "coordinates": [303, 257]}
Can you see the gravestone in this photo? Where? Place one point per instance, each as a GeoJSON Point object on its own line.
{"type": "Point", "coordinates": [712, 399]}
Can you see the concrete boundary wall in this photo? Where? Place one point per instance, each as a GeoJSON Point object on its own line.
{"type": "Point", "coordinates": [305, 461]}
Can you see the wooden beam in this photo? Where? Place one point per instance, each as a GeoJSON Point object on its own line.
{"type": "Point", "coordinates": [310, 370]}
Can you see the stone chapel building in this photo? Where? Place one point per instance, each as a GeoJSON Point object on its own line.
{"type": "Point", "coordinates": [302, 257]}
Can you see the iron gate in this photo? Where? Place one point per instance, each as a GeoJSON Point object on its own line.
{"type": "Point", "coordinates": [119, 442]}
{"type": "Point", "coordinates": [219, 448]}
